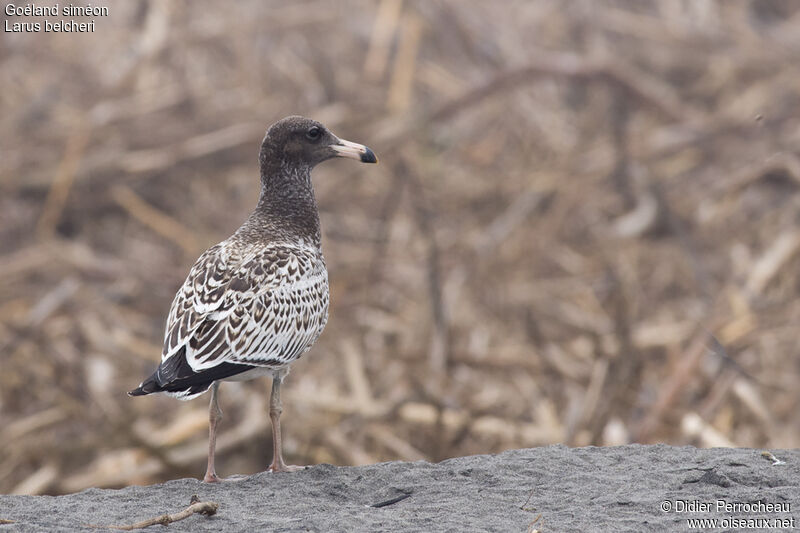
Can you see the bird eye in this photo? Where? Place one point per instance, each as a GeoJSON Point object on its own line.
{"type": "Point", "coordinates": [313, 133]}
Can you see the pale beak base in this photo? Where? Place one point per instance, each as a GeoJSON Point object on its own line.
{"type": "Point", "coordinates": [355, 151]}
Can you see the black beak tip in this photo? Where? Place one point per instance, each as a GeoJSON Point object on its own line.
{"type": "Point", "coordinates": [369, 157]}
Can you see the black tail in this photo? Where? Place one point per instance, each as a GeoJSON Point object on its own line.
{"type": "Point", "coordinates": [176, 376]}
{"type": "Point", "coordinates": [147, 386]}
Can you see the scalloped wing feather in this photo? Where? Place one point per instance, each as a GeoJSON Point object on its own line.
{"type": "Point", "coordinates": [261, 308]}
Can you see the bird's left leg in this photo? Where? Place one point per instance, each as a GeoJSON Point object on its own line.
{"type": "Point", "coordinates": [275, 409]}
{"type": "Point", "coordinates": [214, 416]}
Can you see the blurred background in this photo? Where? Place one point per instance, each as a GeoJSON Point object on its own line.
{"type": "Point", "coordinates": [583, 230]}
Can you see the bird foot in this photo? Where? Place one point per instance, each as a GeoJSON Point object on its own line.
{"type": "Point", "coordinates": [213, 478]}
{"type": "Point", "coordinates": [284, 468]}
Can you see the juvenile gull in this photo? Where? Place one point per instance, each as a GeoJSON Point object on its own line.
{"type": "Point", "coordinates": [258, 300]}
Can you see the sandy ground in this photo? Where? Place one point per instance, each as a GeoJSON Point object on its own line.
{"type": "Point", "coordinates": [561, 489]}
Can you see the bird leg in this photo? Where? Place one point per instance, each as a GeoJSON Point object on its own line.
{"type": "Point", "coordinates": [275, 410]}
{"type": "Point", "coordinates": [214, 416]}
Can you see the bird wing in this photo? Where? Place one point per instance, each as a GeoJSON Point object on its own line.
{"type": "Point", "coordinates": [261, 308]}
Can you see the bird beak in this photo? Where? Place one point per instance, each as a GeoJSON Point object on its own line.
{"type": "Point", "coordinates": [354, 151]}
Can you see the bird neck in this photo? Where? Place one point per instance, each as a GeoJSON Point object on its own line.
{"type": "Point", "coordinates": [286, 207]}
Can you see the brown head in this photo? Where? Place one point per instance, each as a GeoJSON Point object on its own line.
{"type": "Point", "coordinates": [291, 148]}
{"type": "Point", "coordinates": [301, 143]}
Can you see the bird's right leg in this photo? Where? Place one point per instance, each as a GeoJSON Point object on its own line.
{"type": "Point", "coordinates": [214, 416]}
{"type": "Point", "coordinates": [275, 410]}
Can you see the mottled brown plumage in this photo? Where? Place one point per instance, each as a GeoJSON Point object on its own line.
{"type": "Point", "coordinates": [254, 303]}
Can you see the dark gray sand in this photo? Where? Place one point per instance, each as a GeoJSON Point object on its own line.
{"type": "Point", "coordinates": [570, 489]}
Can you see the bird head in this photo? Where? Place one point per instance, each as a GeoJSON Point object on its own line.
{"type": "Point", "coordinates": [302, 142]}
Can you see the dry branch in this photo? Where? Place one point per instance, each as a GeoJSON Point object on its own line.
{"type": "Point", "coordinates": [198, 146]}
{"type": "Point", "coordinates": [197, 507]}
{"type": "Point", "coordinates": [571, 66]}
{"type": "Point", "coordinates": [62, 183]}
{"type": "Point", "coordinates": [670, 392]}
{"type": "Point", "coordinates": [158, 221]}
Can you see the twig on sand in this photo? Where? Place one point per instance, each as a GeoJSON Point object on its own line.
{"type": "Point", "coordinates": [206, 508]}
{"type": "Point", "coordinates": [538, 517]}
{"type": "Point", "coordinates": [531, 529]}
{"type": "Point", "coordinates": [6, 521]}
{"type": "Point", "coordinates": [524, 506]}
{"type": "Point", "coordinates": [770, 457]}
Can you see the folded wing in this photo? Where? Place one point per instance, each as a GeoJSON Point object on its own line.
{"type": "Point", "coordinates": [239, 310]}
